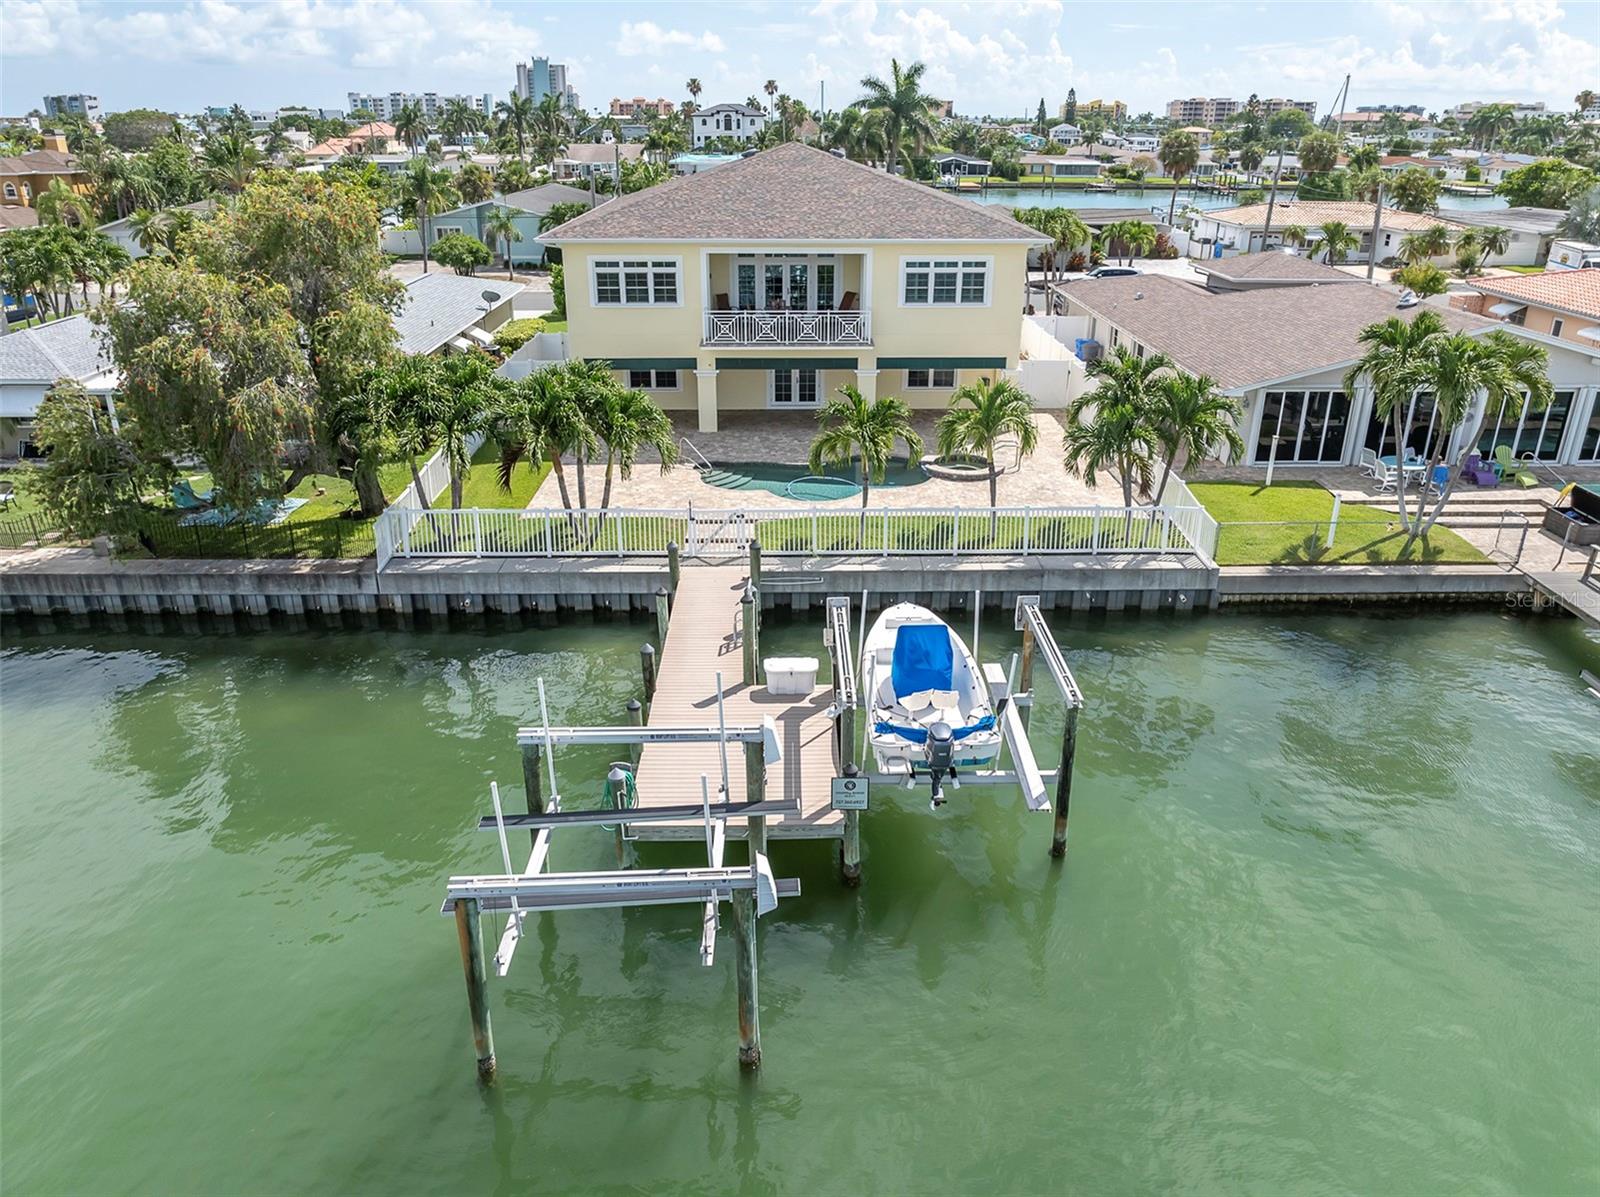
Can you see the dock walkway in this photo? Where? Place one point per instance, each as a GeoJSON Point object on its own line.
{"type": "Point", "coordinates": [702, 637]}
{"type": "Point", "coordinates": [1577, 592]}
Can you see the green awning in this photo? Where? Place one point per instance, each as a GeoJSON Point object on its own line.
{"type": "Point", "coordinates": [941, 363]}
{"type": "Point", "coordinates": [647, 363]}
{"type": "Point", "coordinates": [786, 363]}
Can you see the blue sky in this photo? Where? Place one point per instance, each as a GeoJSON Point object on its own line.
{"type": "Point", "coordinates": [990, 57]}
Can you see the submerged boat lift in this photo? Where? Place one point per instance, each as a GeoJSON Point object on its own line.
{"type": "Point", "coordinates": [751, 890]}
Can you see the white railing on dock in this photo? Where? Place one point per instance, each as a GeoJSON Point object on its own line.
{"type": "Point", "coordinates": [791, 532]}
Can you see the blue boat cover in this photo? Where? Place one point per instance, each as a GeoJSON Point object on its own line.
{"type": "Point", "coordinates": [919, 735]}
{"type": "Point", "coordinates": [922, 659]}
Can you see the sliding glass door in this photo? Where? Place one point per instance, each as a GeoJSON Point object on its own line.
{"type": "Point", "coordinates": [1309, 426]}
{"type": "Point", "coordinates": [787, 282]}
{"type": "Point", "coordinates": [1528, 431]}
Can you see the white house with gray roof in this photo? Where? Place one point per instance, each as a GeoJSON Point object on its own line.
{"type": "Point", "coordinates": [443, 311]}
{"type": "Point", "coordinates": [32, 360]}
{"type": "Point", "coordinates": [736, 122]}
{"type": "Point", "coordinates": [1282, 351]}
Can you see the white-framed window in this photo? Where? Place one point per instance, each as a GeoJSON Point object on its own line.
{"type": "Point", "coordinates": [1556, 326]}
{"type": "Point", "coordinates": [793, 388]}
{"type": "Point", "coordinates": [11, 191]}
{"type": "Point", "coordinates": [636, 282]}
{"type": "Point", "coordinates": [945, 282]}
{"type": "Point", "coordinates": [919, 380]}
{"type": "Point", "coordinates": [444, 230]}
{"type": "Point", "coordinates": [653, 380]}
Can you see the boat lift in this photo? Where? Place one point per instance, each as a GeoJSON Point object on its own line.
{"type": "Point", "coordinates": [751, 890]}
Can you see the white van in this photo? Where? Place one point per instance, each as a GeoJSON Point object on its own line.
{"type": "Point", "coordinates": [1573, 255]}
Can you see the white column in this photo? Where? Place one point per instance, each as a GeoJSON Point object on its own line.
{"type": "Point", "coordinates": [705, 385]}
{"type": "Point", "coordinates": [867, 384]}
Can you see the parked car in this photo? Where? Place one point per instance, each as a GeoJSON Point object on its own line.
{"type": "Point", "coordinates": [1111, 272]}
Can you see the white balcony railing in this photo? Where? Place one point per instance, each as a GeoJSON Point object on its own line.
{"type": "Point", "coordinates": [787, 328]}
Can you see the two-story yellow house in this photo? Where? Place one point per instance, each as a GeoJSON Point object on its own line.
{"type": "Point", "coordinates": [767, 283]}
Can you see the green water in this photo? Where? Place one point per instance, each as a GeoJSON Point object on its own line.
{"type": "Point", "coordinates": [1328, 925]}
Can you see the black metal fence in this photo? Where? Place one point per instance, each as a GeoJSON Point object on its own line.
{"type": "Point", "coordinates": [164, 534]}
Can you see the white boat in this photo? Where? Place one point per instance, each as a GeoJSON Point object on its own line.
{"type": "Point", "coordinates": [928, 708]}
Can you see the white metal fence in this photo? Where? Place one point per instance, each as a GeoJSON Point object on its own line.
{"type": "Point", "coordinates": [787, 328]}
{"type": "Point", "coordinates": [787, 532]}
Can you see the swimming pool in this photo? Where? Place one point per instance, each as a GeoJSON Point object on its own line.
{"type": "Point", "coordinates": [798, 482]}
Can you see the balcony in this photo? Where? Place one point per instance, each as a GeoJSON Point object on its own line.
{"type": "Point", "coordinates": [787, 328]}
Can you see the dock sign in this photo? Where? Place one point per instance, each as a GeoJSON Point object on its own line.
{"type": "Point", "coordinates": [849, 793]}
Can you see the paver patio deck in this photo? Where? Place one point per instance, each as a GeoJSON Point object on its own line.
{"type": "Point", "coordinates": [1041, 481]}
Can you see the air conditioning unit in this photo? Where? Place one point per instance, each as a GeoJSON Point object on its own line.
{"type": "Point", "coordinates": [1093, 351]}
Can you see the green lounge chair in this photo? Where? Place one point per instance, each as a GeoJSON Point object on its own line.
{"type": "Point", "coordinates": [1508, 466]}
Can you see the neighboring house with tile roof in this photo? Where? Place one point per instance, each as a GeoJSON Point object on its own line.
{"type": "Point", "coordinates": [1283, 352]}
{"type": "Point", "coordinates": [734, 122]}
{"type": "Point", "coordinates": [1564, 304]}
{"type": "Point", "coordinates": [18, 217]}
{"type": "Point", "coordinates": [24, 176]}
{"type": "Point", "coordinates": [769, 282]}
{"type": "Point", "coordinates": [1243, 230]}
{"type": "Point", "coordinates": [375, 137]}
{"type": "Point", "coordinates": [32, 360]}
{"type": "Point", "coordinates": [446, 311]}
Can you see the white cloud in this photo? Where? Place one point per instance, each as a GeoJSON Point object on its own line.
{"type": "Point", "coordinates": [646, 37]}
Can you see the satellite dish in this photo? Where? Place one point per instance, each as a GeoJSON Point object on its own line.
{"type": "Point", "coordinates": [490, 296]}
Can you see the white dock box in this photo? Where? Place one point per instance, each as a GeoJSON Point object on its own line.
{"type": "Point", "coordinates": [790, 676]}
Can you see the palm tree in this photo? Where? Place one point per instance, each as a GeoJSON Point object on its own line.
{"type": "Point", "coordinates": [410, 126]}
{"type": "Point", "coordinates": [981, 415]}
{"type": "Point", "coordinates": [60, 204]}
{"type": "Point", "coordinates": [771, 88]}
{"type": "Point", "coordinates": [626, 420]}
{"type": "Point", "coordinates": [515, 117]}
{"type": "Point", "coordinates": [1118, 436]}
{"type": "Point", "coordinates": [550, 127]}
{"type": "Point", "coordinates": [501, 226]}
{"type": "Point", "coordinates": [1138, 235]}
{"type": "Point", "coordinates": [154, 230]}
{"type": "Point", "coordinates": [694, 89]}
{"type": "Point", "coordinates": [662, 140]}
{"type": "Point", "coordinates": [1469, 252]}
{"type": "Point", "coordinates": [851, 427]}
{"type": "Point", "coordinates": [1586, 99]}
{"type": "Point", "coordinates": [1319, 153]}
{"type": "Point", "coordinates": [1492, 239]}
{"type": "Point", "coordinates": [1432, 242]}
{"type": "Point", "coordinates": [1295, 234]}
{"type": "Point", "coordinates": [539, 419]}
{"type": "Point", "coordinates": [1337, 240]}
{"type": "Point", "coordinates": [513, 175]}
{"type": "Point", "coordinates": [468, 400]}
{"type": "Point", "coordinates": [1364, 157]}
{"type": "Point", "coordinates": [230, 160]}
{"type": "Point", "coordinates": [905, 109]}
{"type": "Point", "coordinates": [1251, 154]}
{"type": "Point", "coordinates": [1393, 367]}
{"type": "Point", "coordinates": [1179, 154]}
{"type": "Point", "coordinates": [426, 190]}
{"type": "Point", "coordinates": [475, 183]}
{"type": "Point", "coordinates": [459, 119]}
{"type": "Point", "coordinates": [1191, 417]}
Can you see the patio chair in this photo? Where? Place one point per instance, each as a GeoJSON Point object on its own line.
{"type": "Point", "coordinates": [1438, 479]}
{"type": "Point", "coordinates": [1510, 467]}
{"type": "Point", "coordinates": [1475, 470]}
{"type": "Point", "coordinates": [849, 301]}
{"type": "Point", "coordinates": [1387, 477]}
{"type": "Point", "coordinates": [8, 494]}
{"type": "Point", "coordinates": [720, 303]}
{"type": "Point", "coordinates": [1367, 461]}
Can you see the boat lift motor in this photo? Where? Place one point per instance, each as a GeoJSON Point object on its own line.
{"type": "Point", "coordinates": [941, 751]}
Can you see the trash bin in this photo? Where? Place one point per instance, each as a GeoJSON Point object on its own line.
{"type": "Point", "coordinates": [791, 676]}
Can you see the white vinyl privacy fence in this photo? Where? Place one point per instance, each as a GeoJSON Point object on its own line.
{"type": "Point", "coordinates": [794, 532]}
{"type": "Point", "coordinates": [435, 475]}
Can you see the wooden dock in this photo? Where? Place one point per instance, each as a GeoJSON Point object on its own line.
{"type": "Point", "coordinates": [703, 637]}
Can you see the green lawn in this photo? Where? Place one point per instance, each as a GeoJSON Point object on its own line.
{"type": "Point", "coordinates": [554, 325]}
{"type": "Point", "coordinates": [482, 485]}
{"type": "Point", "coordinates": [1522, 269]}
{"type": "Point", "coordinates": [1287, 524]}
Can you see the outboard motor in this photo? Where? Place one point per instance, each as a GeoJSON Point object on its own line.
{"type": "Point", "coordinates": [941, 751]}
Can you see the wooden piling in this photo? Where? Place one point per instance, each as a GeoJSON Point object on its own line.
{"type": "Point", "coordinates": [674, 564]}
{"type": "Point", "coordinates": [635, 719]}
{"type": "Point", "coordinates": [532, 785]}
{"type": "Point", "coordinates": [850, 846]}
{"type": "Point", "coordinates": [744, 951]}
{"type": "Point", "coordinates": [755, 790]}
{"type": "Point", "coordinates": [752, 636]}
{"type": "Point", "coordinates": [1025, 673]}
{"type": "Point", "coordinates": [617, 789]}
{"type": "Point", "coordinates": [647, 670]}
{"type": "Point", "coordinates": [755, 563]}
{"type": "Point", "coordinates": [1069, 749]}
{"type": "Point", "coordinates": [662, 608]}
{"type": "Point", "coordinates": [470, 933]}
